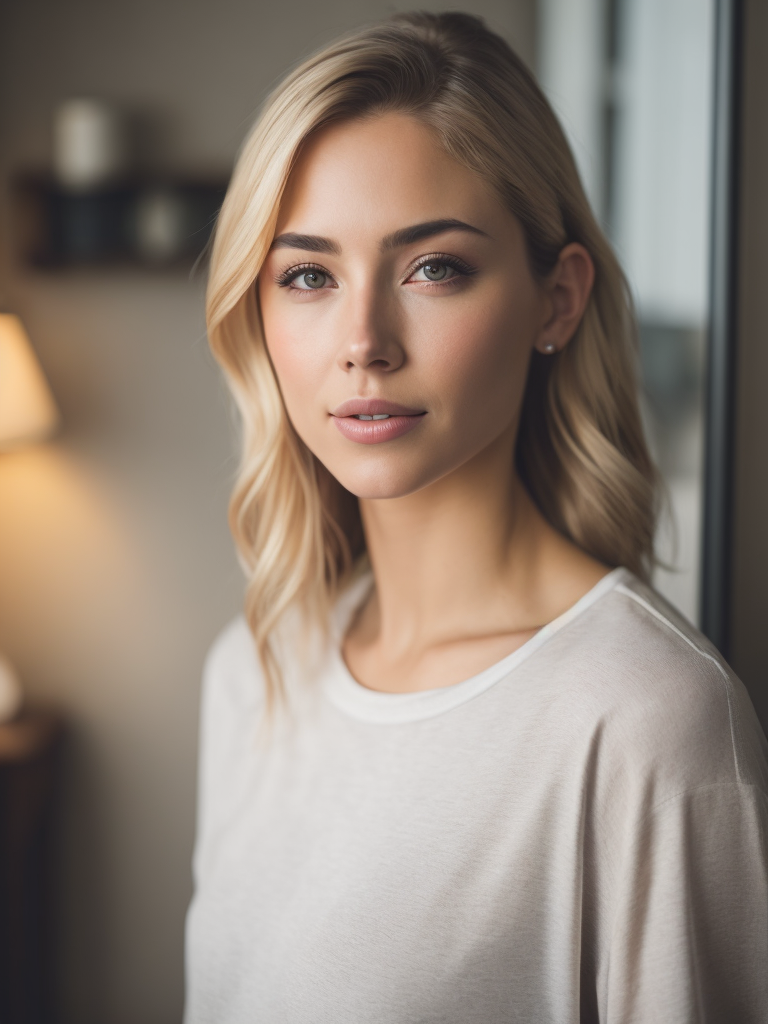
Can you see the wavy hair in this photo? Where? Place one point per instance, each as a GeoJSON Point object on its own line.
{"type": "Point", "coordinates": [580, 450]}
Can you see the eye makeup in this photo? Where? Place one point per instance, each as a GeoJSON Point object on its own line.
{"type": "Point", "coordinates": [460, 267]}
{"type": "Point", "coordinates": [437, 259]}
{"type": "Point", "coordinates": [286, 277]}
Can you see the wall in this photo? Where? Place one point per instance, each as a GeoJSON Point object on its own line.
{"type": "Point", "coordinates": [116, 569]}
{"type": "Point", "coordinates": [750, 579]}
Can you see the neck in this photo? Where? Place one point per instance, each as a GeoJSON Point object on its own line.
{"type": "Point", "coordinates": [460, 556]}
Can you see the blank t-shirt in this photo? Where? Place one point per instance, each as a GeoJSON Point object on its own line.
{"type": "Point", "coordinates": [576, 834]}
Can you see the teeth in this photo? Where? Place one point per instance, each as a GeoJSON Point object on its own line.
{"type": "Point", "coordinates": [378, 416]}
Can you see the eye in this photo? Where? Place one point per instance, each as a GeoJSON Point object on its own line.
{"type": "Point", "coordinates": [433, 272]}
{"type": "Point", "coordinates": [305, 278]}
{"type": "Point", "coordinates": [309, 280]}
{"type": "Point", "coordinates": [438, 269]}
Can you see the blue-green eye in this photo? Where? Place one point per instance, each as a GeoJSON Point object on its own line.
{"type": "Point", "coordinates": [435, 271]}
{"type": "Point", "coordinates": [310, 280]}
{"type": "Point", "coordinates": [440, 269]}
{"type": "Point", "coordinates": [306, 277]}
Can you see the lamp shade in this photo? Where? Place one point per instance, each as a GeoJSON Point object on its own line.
{"type": "Point", "coordinates": [27, 409]}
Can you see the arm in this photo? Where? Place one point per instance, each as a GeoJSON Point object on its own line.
{"type": "Point", "coordinates": [689, 942]}
{"type": "Point", "coordinates": [231, 700]}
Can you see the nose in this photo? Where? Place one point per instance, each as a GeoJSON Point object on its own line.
{"type": "Point", "coordinates": [371, 340]}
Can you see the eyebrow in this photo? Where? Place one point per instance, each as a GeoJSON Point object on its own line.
{"type": "Point", "coordinates": [310, 243]}
{"type": "Point", "coordinates": [405, 236]}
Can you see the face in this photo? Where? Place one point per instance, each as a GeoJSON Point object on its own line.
{"type": "Point", "coordinates": [398, 308]}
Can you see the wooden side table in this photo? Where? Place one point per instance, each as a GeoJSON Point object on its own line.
{"type": "Point", "coordinates": [29, 768]}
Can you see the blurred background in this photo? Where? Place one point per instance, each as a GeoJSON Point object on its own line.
{"type": "Point", "coordinates": [116, 567]}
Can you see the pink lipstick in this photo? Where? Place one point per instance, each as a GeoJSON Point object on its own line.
{"type": "Point", "coordinates": [372, 420]}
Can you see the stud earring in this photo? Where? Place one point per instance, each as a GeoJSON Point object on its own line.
{"type": "Point", "coordinates": [550, 348]}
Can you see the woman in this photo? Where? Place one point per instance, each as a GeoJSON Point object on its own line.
{"type": "Point", "coordinates": [459, 762]}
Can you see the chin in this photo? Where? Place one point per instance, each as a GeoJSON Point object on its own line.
{"type": "Point", "coordinates": [381, 487]}
{"type": "Point", "coordinates": [375, 478]}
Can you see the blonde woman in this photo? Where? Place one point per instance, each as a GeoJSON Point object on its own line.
{"type": "Point", "coordinates": [459, 762]}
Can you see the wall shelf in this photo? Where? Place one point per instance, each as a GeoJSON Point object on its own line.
{"type": "Point", "coordinates": [151, 222]}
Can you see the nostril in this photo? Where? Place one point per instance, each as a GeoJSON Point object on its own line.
{"type": "Point", "coordinates": [374, 364]}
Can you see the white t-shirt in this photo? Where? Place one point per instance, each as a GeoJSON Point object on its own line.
{"type": "Point", "coordinates": [576, 834]}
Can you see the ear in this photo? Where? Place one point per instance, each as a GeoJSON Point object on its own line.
{"type": "Point", "coordinates": [567, 287]}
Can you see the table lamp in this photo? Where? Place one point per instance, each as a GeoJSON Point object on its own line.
{"type": "Point", "coordinates": [27, 413]}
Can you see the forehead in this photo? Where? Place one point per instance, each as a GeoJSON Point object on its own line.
{"type": "Point", "coordinates": [375, 175]}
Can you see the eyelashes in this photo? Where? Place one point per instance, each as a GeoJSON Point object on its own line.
{"type": "Point", "coordinates": [285, 278]}
{"type": "Point", "coordinates": [460, 267]}
{"type": "Point", "coordinates": [441, 260]}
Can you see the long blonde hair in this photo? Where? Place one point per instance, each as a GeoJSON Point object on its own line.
{"type": "Point", "coordinates": [580, 450]}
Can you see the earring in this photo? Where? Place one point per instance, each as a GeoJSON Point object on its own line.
{"type": "Point", "coordinates": [550, 348]}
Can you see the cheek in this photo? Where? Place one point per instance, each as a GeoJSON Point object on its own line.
{"type": "Point", "coordinates": [480, 358]}
{"type": "Point", "coordinates": [300, 367]}
{"type": "Point", "coordinates": [297, 372]}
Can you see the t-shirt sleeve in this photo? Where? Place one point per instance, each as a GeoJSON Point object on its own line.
{"type": "Point", "coordinates": [689, 935]}
{"type": "Point", "coordinates": [231, 699]}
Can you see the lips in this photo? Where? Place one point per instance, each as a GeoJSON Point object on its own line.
{"type": "Point", "coordinates": [373, 420]}
{"type": "Point", "coordinates": [374, 407]}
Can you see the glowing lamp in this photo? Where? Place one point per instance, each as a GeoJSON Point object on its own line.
{"type": "Point", "coordinates": [27, 413]}
{"type": "Point", "coordinates": [27, 410]}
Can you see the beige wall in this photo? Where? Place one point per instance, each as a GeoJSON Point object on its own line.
{"type": "Point", "coordinates": [115, 565]}
{"type": "Point", "coordinates": [750, 607]}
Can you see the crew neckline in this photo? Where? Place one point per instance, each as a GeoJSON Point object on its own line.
{"type": "Point", "coordinates": [378, 706]}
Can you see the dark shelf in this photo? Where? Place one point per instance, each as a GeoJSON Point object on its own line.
{"type": "Point", "coordinates": [142, 222]}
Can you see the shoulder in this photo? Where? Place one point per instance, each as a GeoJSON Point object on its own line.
{"type": "Point", "coordinates": [234, 688]}
{"type": "Point", "coordinates": [230, 708]}
{"type": "Point", "coordinates": [231, 669]}
{"type": "Point", "coordinates": [232, 697]}
{"type": "Point", "coordinates": [667, 702]}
